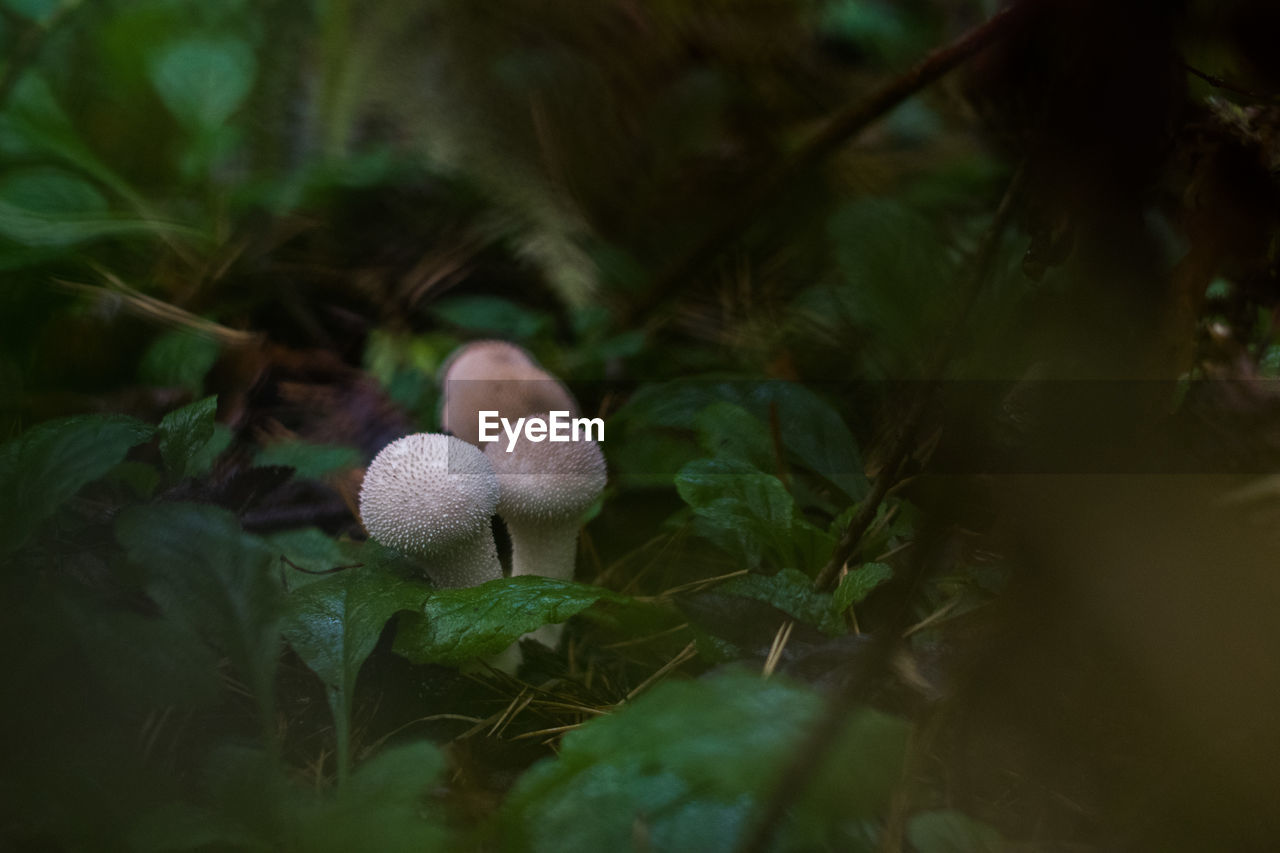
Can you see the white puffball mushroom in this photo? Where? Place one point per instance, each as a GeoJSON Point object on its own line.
{"type": "Point", "coordinates": [544, 489]}
{"type": "Point", "coordinates": [496, 376]}
{"type": "Point", "coordinates": [432, 496]}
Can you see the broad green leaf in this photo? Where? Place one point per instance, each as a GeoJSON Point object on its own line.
{"type": "Point", "coordinates": [184, 433]}
{"type": "Point", "coordinates": [207, 573]}
{"type": "Point", "coordinates": [48, 464]}
{"type": "Point", "coordinates": [739, 507]}
{"type": "Point", "coordinates": [179, 358]}
{"type": "Point", "coordinates": [728, 431]}
{"type": "Point", "coordinates": [458, 625]}
{"type": "Point", "coordinates": [951, 831]}
{"type": "Point", "coordinates": [492, 315]}
{"type": "Point", "coordinates": [791, 592]}
{"type": "Point", "coordinates": [203, 80]}
{"type": "Point", "coordinates": [859, 583]}
{"type": "Point", "coordinates": [813, 431]}
{"type": "Point", "coordinates": [309, 460]}
{"type": "Point", "coordinates": [688, 764]}
{"type": "Point", "coordinates": [334, 624]}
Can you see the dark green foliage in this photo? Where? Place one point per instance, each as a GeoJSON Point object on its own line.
{"type": "Point", "coordinates": [47, 465]}
{"type": "Point", "coordinates": [184, 433]}
{"type": "Point", "coordinates": [333, 625]}
{"type": "Point", "coordinates": [254, 807]}
{"type": "Point", "coordinates": [208, 574]}
{"type": "Point", "coordinates": [459, 625]}
{"type": "Point", "coordinates": [688, 766]}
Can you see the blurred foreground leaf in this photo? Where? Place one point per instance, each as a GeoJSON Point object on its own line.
{"type": "Point", "coordinates": [254, 807]}
{"type": "Point", "coordinates": [48, 464]}
{"type": "Point", "coordinates": [207, 573]}
{"type": "Point", "coordinates": [688, 764]}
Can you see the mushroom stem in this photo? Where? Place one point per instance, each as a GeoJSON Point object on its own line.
{"type": "Point", "coordinates": [535, 549]}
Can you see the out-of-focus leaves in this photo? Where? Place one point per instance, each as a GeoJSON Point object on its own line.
{"type": "Point", "coordinates": [146, 662]}
{"type": "Point", "coordinates": [206, 572]}
{"type": "Point", "coordinates": [738, 507]}
{"type": "Point", "coordinates": [384, 806]}
{"type": "Point", "coordinates": [309, 460]}
{"type": "Point", "coordinates": [333, 625]}
{"type": "Point", "coordinates": [48, 464]}
{"type": "Point", "coordinates": [673, 766]}
{"type": "Point", "coordinates": [728, 431]}
{"type": "Point", "coordinates": [34, 10]}
{"type": "Point", "coordinates": [951, 831]}
{"type": "Point", "coordinates": [791, 592]}
{"type": "Point", "coordinates": [178, 358]}
{"type": "Point", "coordinates": [46, 206]}
{"type": "Point", "coordinates": [184, 433]}
{"type": "Point", "coordinates": [859, 583]}
{"type": "Point", "coordinates": [492, 315]}
{"type": "Point", "coordinates": [809, 428]}
{"type": "Point", "coordinates": [458, 625]}
{"type": "Point", "coordinates": [203, 80]}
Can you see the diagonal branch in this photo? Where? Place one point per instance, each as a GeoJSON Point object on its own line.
{"type": "Point", "coordinates": [840, 129]}
{"type": "Point", "coordinates": [811, 750]}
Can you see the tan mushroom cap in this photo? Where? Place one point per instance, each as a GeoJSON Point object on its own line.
{"type": "Point", "coordinates": [547, 483]}
{"type": "Point", "coordinates": [497, 376]}
{"type": "Point", "coordinates": [432, 496]}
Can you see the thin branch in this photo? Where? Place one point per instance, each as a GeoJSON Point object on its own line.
{"type": "Point", "coordinates": [839, 130]}
{"type": "Point", "coordinates": [1227, 85]}
{"type": "Point", "coordinates": [812, 749]}
{"type": "Point", "coordinates": [904, 442]}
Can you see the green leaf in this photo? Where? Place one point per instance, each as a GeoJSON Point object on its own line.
{"type": "Point", "coordinates": [179, 358]}
{"type": "Point", "coordinates": [728, 431]}
{"type": "Point", "coordinates": [312, 461]}
{"type": "Point", "coordinates": [738, 507]}
{"type": "Point", "coordinates": [47, 465]}
{"type": "Point", "coordinates": [492, 315]}
{"type": "Point", "coordinates": [858, 584]}
{"type": "Point", "coordinates": [809, 428]}
{"type": "Point", "coordinates": [46, 206]}
{"type": "Point", "coordinates": [813, 431]}
{"type": "Point", "coordinates": [951, 831]}
{"type": "Point", "coordinates": [334, 624]}
{"type": "Point", "coordinates": [207, 573]}
{"type": "Point", "coordinates": [458, 625]}
{"type": "Point", "coordinates": [203, 80]}
{"type": "Point", "coordinates": [382, 807]}
{"type": "Point", "coordinates": [791, 592]}
{"type": "Point", "coordinates": [184, 433]}
{"type": "Point", "coordinates": [688, 765]}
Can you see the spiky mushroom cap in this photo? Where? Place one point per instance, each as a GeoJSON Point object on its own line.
{"type": "Point", "coordinates": [496, 376]}
{"type": "Point", "coordinates": [431, 496]}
